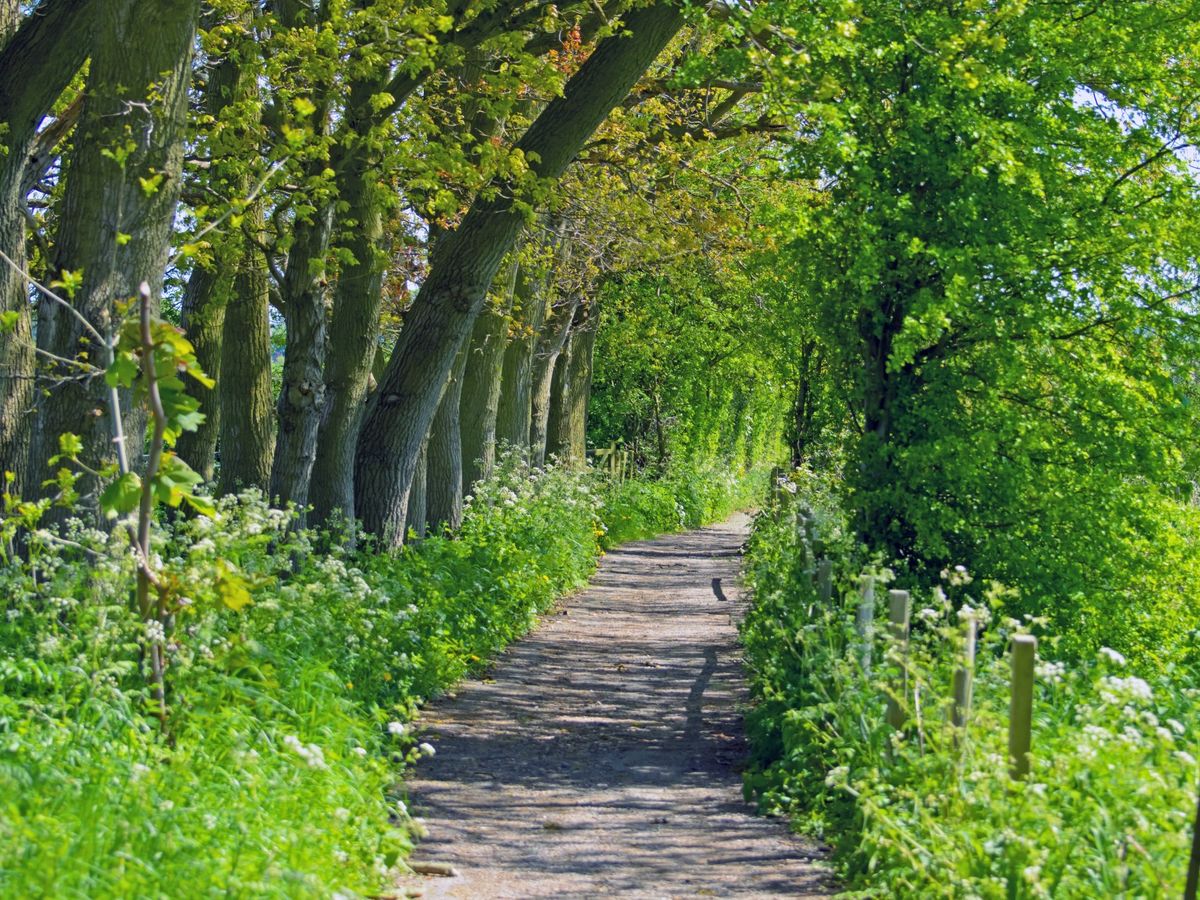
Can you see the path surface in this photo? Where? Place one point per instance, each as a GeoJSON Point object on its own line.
{"type": "Point", "coordinates": [600, 756]}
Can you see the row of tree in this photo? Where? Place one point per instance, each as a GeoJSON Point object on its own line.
{"type": "Point", "coordinates": [417, 200]}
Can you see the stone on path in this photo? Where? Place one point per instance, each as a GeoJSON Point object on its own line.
{"type": "Point", "coordinates": [600, 757]}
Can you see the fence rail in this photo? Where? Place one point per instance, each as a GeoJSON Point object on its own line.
{"type": "Point", "coordinates": [617, 463]}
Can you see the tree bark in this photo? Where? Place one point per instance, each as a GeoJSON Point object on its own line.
{"type": "Point", "coordinates": [40, 56]}
{"type": "Point", "coordinates": [514, 414]}
{"type": "Point", "coordinates": [112, 229]}
{"type": "Point", "coordinates": [480, 398]}
{"type": "Point", "coordinates": [316, 460]}
{"type": "Point", "coordinates": [444, 458]}
{"type": "Point", "coordinates": [417, 496]}
{"type": "Point", "coordinates": [353, 333]}
{"type": "Point", "coordinates": [549, 350]}
{"type": "Point", "coordinates": [302, 394]}
{"type": "Point", "coordinates": [571, 391]}
{"type": "Point", "coordinates": [203, 319]}
{"type": "Point", "coordinates": [245, 390]}
{"type": "Point", "coordinates": [465, 262]}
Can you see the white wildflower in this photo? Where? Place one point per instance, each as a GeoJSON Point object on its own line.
{"type": "Point", "coordinates": [1112, 656]}
{"type": "Point", "coordinates": [396, 728]}
{"type": "Point", "coordinates": [359, 751]}
{"type": "Point", "coordinates": [1032, 873]}
{"type": "Point", "coordinates": [1117, 691]}
{"type": "Point", "coordinates": [928, 614]}
{"type": "Point", "coordinates": [837, 776]}
{"type": "Point", "coordinates": [310, 753]}
{"type": "Point", "coordinates": [1176, 726]}
{"type": "Point", "coordinates": [1185, 757]}
{"type": "Point", "coordinates": [426, 750]}
{"type": "Point", "coordinates": [1051, 671]}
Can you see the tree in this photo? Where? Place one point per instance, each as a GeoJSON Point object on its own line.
{"type": "Point", "coordinates": [464, 263]}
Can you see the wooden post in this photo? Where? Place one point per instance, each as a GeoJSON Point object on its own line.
{"type": "Point", "coordinates": [864, 622]}
{"type": "Point", "coordinates": [1020, 709]}
{"type": "Point", "coordinates": [964, 675]}
{"type": "Point", "coordinates": [899, 608]}
{"type": "Point", "coordinates": [824, 581]}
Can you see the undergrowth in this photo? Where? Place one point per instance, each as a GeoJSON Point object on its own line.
{"type": "Point", "coordinates": [931, 811]}
{"type": "Point", "coordinates": [279, 773]}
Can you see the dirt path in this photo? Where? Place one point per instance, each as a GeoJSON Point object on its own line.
{"type": "Point", "coordinates": [600, 757]}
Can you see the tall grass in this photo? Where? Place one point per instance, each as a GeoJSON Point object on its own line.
{"type": "Point", "coordinates": [289, 728]}
{"type": "Point", "coordinates": [930, 811]}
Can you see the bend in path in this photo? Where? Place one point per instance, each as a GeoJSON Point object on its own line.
{"type": "Point", "coordinates": [600, 757]}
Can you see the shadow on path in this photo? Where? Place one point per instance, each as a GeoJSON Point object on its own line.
{"type": "Point", "coordinates": [600, 757]}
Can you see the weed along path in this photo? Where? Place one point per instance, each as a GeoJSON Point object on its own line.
{"type": "Point", "coordinates": [600, 756]}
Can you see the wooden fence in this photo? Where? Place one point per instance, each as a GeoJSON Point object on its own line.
{"type": "Point", "coordinates": [1022, 661]}
{"type": "Point", "coordinates": [617, 463]}
{"type": "Point", "coordinates": [1023, 651]}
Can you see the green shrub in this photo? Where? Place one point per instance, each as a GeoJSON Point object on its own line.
{"type": "Point", "coordinates": [1106, 810]}
{"type": "Point", "coordinates": [641, 508]}
{"type": "Point", "coordinates": [288, 706]}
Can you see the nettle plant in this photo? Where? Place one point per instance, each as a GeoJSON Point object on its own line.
{"type": "Point", "coordinates": [147, 356]}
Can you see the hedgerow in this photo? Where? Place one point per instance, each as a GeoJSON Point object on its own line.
{"type": "Point", "coordinates": [931, 810]}
{"type": "Point", "coordinates": [279, 772]}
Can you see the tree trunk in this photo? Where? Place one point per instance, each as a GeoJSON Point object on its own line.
{"type": "Point", "coordinates": [40, 56]}
{"type": "Point", "coordinates": [480, 399]}
{"type": "Point", "coordinates": [245, 390]}
{"type": "Point", "coordinates": [203, 319]}
{"type": "Point", "coordinates": [353, 333]}
{"type": "Point", "coordinates": [302, 394]}
{"type": "Point", "coordinates": [112, 229]}
{"type": "Point", "coordinates": [417, 496]}
{"type": "Point", "coordinates": [514, 414]}
{"type": "Point", "coordinates": [444, 458]}
{"type": "Point", "coordinates": [801, 434]}
{"type": "Point", "coordinates": [571, 392]}
{"type": "Point", "coordinates": [549, 350]}
{"type": "Point", "coordinates": [465, 262]}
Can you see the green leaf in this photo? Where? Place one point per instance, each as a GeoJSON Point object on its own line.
{"type": "Point", "coordinates": [121, 496]}
{"type": "Point", "coordinates": [69, 445]}
{"type": "Point", "coordinates": [232, 587]}
{"type": "Point", "coordinates": [123, 371]}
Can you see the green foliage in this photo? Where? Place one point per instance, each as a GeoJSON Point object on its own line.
{"type": "Point", "coordinates": [1000, 269]}
{"type": "Point", "coordinates": [932, 811]}
{"type": "Point", "coordinates": [292, 666]}
{"type": "Point", "coordinates": [641, 508]}
{"type": "Point", "coordinates": [681, 375]}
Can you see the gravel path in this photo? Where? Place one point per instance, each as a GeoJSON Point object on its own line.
{"type": "Point", "coordinates": [600, 756]}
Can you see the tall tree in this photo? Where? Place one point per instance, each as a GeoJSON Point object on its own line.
{"type": "Point", "coordinates": [480, 396]}
{"type": "Point", "coordinates": [122, 182]}
{"type": "Point", "coordinates": [465, 262]}
{"type": "Point", "coordinates": [39, 56]}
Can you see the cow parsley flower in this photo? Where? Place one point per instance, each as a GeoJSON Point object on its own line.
{"type": "Point", "coordinates": [1112, 656]}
